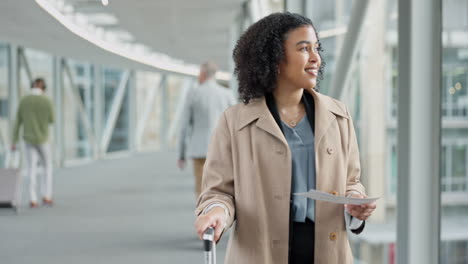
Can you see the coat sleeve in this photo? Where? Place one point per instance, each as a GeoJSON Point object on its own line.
{"type": "Point", "coordinates": [353, 181]}
{"type": "Point", "coordinates": [218, 176]}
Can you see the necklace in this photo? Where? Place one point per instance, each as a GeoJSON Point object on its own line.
{"type": "Point", "coordinates": [293, 121]}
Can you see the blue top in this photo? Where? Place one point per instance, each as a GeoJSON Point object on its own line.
{"type": "Point", "coordinates": [301, 143]}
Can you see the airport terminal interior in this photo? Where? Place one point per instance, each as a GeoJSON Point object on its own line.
{"type": "Point", "coordinates": [118, 73]}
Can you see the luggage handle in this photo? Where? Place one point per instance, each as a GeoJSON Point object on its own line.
{"type": "Point", "coordinates": [209, 246]}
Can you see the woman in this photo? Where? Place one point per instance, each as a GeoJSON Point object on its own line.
{"type": "Point", "coordinates": [284, 138]}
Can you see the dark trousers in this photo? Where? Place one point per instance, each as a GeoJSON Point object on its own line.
{"type": "Point", "coordinates": [302, 244]}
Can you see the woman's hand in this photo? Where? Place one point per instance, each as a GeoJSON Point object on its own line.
{"type": "Point", "coordinates": [215, 218]}
{"type": "Point", "coordinates": [362, 211]}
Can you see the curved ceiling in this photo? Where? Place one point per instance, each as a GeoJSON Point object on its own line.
{"type": "Point", "coordinates": [192, 31]}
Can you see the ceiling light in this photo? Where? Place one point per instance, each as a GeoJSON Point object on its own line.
{"type": "Point", "coordinates": [122, 35]}
{"type": "Point", "coordinates": [105, 2]}
{"type": "Point", "coordinates": [96, 36]}
{"type": "Point", "coordinates": [102, 19]}
{"type": "Point", "coordinates": [332, 32]}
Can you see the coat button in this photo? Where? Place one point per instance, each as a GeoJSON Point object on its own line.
{"type": "Point", "coordinates": [330, 151]}
{"type": "Point", "coordinates": [334, 193]}
{"type": "Point", "coordinates": [333, 236]}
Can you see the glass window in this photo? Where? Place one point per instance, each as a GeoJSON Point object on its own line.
{"type": "Point", "coordinates": [394, 171]}
{"type": "Point", "coordinates": [459, 168]}
{"type": "Point", "coordinates": [4, 104]}
{"type": "Point", "coordinates": [454, 162]}
{"type": "Point", "coordinates": [443, 169]}
{"type": "Point", "coordinates": [371, 97]}
{"type": "Point", "coordinates": [77, 95]}
{"type": "Point", "coordinates": [41, 65]}
{"type": "Point", "coordinates": [147, 82]}
{"type": "Point", "coordinates": [111, 82]}
{"type": "Point", "coordinates": [120, 135]}
{"type": "Point", "coordinates": [394, 84]}
{"type": "Point", "coordinates": [175, 83]}
{"type": "Point", "coordinates": [454, 252]}
{"type": "Point", "coordinates": [455, 81]}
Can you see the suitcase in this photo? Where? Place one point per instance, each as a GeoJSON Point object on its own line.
{"type": "Point", "coordinates": [10, 188]}
{"type": "Point", "coordinates": [11, 184]}
{"type": "Point", "coordinates": [209, 246]}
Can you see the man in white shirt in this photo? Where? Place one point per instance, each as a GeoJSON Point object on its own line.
{"type": "Point", "coordinates": [204, 106]}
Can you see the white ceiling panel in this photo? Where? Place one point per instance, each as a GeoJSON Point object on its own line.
{"type": "Point", "coordinates": [192, 31]}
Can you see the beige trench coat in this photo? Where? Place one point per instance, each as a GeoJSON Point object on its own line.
{"type": "Point", "coordinates": [248, 169]}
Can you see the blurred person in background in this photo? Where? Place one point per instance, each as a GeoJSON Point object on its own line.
{"type": "Point", "coordinates": [284, 138]}
{"type": "Point", "coordinates": [34, 115]}
{"type": "Point", "coordinates": [203, 108]}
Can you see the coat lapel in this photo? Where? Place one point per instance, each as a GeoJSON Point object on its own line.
{"type": "Point", "coordinates": [258, 110]}
{"type": "Point", "coordinates": [326, 111]}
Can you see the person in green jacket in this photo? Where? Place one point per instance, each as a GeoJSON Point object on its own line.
{"type": "Point", "coordinates": [35, 113]}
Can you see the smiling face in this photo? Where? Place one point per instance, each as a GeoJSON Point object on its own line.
{"type": "Point", "coordinates": [301, 63]}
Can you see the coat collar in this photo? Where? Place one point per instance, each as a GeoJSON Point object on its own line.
{"type": "Point", "coordinates": [326, 110]}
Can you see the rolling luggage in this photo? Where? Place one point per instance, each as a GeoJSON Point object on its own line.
{"type": "Point", "coordinates": [10, 188]}
{"type": "Point", "coordinates": [11, 182]}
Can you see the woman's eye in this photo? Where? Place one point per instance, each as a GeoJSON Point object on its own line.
{"type": "Point", "coordinates": [304, 49]}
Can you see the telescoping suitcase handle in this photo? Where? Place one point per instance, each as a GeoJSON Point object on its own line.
{"type": "Point", "coordinates": [209, 246]}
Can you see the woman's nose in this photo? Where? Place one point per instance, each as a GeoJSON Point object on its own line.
{"type": "Point", "coordinates": [313, 56]}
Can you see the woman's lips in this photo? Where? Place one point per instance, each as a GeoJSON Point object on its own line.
{"type": "Point", "coordinates": [312, 71]}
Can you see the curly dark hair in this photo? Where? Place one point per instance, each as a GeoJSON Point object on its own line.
{"type": "Point", "coordinates": [259, 51]}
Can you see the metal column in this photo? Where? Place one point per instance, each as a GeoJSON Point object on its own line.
{"type": "Point", "coordinates": [349, 49]}
{"type": "Point", "coordinates": [98, 104]}
{"type": "Point", "coordinates": [13, 81]}
{"type": "Point", "coordinates": [164, 116]}
{"type": "Point", "coordinates": [419, 128]}
{"type": "Point", "coordinates": [58, 102]}
{"type": "Point", "coordinates": [132, 116]}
